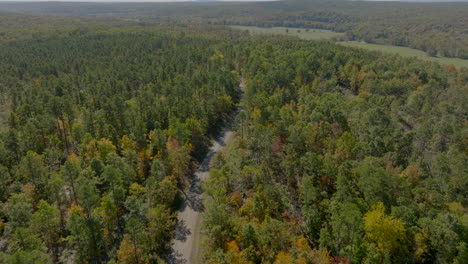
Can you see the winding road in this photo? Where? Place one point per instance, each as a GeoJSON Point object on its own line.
{"type": "Point", "coordinates": [186, 247]}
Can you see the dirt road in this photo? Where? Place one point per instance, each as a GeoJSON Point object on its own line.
{"type": "Point", "coordinates": [186, 242]}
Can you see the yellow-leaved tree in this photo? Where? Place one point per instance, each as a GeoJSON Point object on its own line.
{"type": "Point", "coordinates": [387, 232]}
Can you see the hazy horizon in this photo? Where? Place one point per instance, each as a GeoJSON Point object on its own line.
{"type": "Point", "coordinates": [172, 1]}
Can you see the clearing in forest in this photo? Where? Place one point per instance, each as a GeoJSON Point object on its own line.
{"type": "Point", "coordinates": [320, 34]}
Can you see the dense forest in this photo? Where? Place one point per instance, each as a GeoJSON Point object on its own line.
{"type": "Point", "coordinates": [339, 155]}
{"type": "Point", "coordinates": [342, 157]}
{"type": "Point", "coordinates": [436, 28]}
{"type": "Point", "coordinates": [103, 131]}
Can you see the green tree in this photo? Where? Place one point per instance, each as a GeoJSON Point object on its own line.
{"type": "Point", "coordinates": [32, 169]}
{"type": "Point", "coordinates": [159, 230]}
{"type": "Point", "coordinates": [85, 234]}
{"type": "Point", "coordinates": [46, 222]}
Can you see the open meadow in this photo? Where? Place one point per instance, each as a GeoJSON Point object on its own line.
{"type": "Point", "coordinates": [320, 34]}
{"type": "Point", "coordinates": [406, 52]}
{"type": "Point", "coordinates": [308, 34]}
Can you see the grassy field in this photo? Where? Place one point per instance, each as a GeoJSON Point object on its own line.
{"type": "Point", "coordinates": [317, 34]}
{"type": "Point", "coordinates": [310, 34]}
{"type": "Point", "coordinates": [406, 52]}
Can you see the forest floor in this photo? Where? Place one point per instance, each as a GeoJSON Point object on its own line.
{"type": "Point", "coordinates": [186, 244]}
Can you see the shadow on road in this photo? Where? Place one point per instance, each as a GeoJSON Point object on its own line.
{"type": "Point", "coordinates": [177, 258]}
{"type": "Point", "coordinates": [194, 196]}
{"type": "Point", "coordinates": [181, 231]}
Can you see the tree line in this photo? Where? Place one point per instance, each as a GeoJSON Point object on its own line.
{"type": "Point", "coordinates": [436, 28]}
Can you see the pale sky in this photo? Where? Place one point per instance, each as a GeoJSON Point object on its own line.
{"type": "Point", "coordinates": [169, 1]}
{"type": "Point", "coordinates": [134, 1]}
